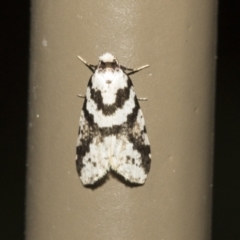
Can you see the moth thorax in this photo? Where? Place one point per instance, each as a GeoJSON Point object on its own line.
{"type": "Point", "coordinates": [108, 65]}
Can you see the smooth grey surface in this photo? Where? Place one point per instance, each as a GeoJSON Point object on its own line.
{"type": "Point", "coordinates": [177, 39]}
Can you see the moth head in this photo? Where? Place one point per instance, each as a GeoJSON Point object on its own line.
{"type": "Point", "coordinates": [108, 61]}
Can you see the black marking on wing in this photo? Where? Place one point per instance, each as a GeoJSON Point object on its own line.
{"type": "Point", "coordinates": [89, 131]}
{"type": "Point", "coordinates": [122, 95]}
{"type": "Point", "coordinates": [137, 138]}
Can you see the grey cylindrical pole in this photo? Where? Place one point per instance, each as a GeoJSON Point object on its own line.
{"type": "Point", "coordinates": [177, 39]}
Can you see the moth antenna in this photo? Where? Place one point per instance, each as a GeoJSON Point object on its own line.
{"type": "Point", "coordinates": [142, 99]}
{"type": "Point", "coordinates": [81, 96]}
{"type": "Point", "coordinates": [90, 66]}
{"type": "Point", "coordinates": [132, 71]}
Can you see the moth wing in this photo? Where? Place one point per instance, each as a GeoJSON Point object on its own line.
{"type": "Point", "coordinates": [91, 160]}
{"type": "Point", "coordinates": [131, 156]}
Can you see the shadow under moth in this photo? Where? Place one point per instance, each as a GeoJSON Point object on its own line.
{"type": "Point", "coordinates": [112, 133]}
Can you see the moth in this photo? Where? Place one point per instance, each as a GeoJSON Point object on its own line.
{"type": "Point", "coordinates": [112, 133]}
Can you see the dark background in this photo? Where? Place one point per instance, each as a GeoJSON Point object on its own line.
{"type": "Point", "coordinates": [15, 23]}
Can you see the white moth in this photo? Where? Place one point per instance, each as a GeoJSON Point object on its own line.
{"type": "Point", "coordinates": [112, 132]}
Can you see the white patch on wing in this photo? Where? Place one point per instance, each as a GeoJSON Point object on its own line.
{"type": "Point", "coordinates": [117, 118]}
{"type": "Point", "coordinates": [140, 119]}
{"type": "Point", "coordinates": [96, 162]}
{"type": "Point", "coordinates": [127, 161]}
{"type": "Point", "coordinates": [108, 91]}
{"type": "Point", "coordinates": [139, 126]}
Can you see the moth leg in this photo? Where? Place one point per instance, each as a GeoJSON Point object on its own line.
{"type": "Point", "coordinates": [134, 70]}
{"type": "Point", "coordinates": [142, 99]}
{"type": "Point", "coordinates": [81, 96]}
{"type": "Point", "coordinates": [90, 66]}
